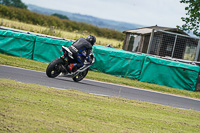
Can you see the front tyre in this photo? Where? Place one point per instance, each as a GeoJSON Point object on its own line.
{"type": "Point", "coordinates": [80, 76]}
{"type": "Point", "coordinates": [54, 68]}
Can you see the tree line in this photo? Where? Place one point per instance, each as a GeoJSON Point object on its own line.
{"type": "Point", "coordinates": [24, 15]}
{"type": "Point", "coordinates": [60, 16]}
{"type": "Point", "coordinates": [15, 3]}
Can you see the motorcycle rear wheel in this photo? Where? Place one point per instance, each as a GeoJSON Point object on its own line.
{"type": "Point", "coordinates": [80, 76]}
{"type": "Point", "coordinates": [54, 68]}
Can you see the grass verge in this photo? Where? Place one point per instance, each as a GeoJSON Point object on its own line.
{"type": "Point", "coordinates": [59, 33]}
{"type": "Point", "coordinates": [35, 108]}
{"type": "Point", "coordinates": [39, 66]}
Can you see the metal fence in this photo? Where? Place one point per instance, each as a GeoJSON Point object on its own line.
{"type": "Point", "coordinates": [172, 45]}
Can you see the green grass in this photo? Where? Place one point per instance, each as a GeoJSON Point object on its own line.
{"type": "Point", "coordinates": [59, 33]}
{"type": "Point", "coordinates": [39, 66]}
{"type": "Point", "coordinates": [35, 108]}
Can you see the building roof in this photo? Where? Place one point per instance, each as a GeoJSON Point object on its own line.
{"type": "Point", "coordinates": [148, 30]}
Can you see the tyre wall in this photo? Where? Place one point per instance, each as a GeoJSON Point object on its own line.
{"type": "Point", "coordinates": [47, 49]}
{"type": "Point", "coordinates": [17, 44]}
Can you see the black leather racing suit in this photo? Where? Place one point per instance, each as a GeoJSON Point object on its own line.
{"type": "Point", "coordinates": [81, 49]}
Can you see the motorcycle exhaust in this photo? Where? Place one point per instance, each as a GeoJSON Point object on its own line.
{"type": "Point", "coordinates": [82, 69]}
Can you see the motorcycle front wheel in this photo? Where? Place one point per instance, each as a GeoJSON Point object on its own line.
{"type": "Point", "coordinates": [54, 68]}
{"type": "Point", "coordinates": [80, 76]}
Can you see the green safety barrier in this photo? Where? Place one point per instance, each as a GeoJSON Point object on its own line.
{"type": "Point", "coordinates": [169, 73]}
{"type": "Point", "coordinates": [17, 44]}
{"type": "Point", "coordinates": [47, 49]}
{"type": "Point", "coordinates": [108, 60]}
{"type": "Point", "coordinates": [145, 68]}
{"type": "Point", "coordinates": [117, 62]}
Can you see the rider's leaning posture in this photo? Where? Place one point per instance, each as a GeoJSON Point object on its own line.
{"type": "Point", "coordinates": [81, 46]}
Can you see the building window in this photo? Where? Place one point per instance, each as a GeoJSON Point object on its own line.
{"type": "Point", "coordinates": [190, 52]}
{"type": "Point", "coordinates": [134, 42]}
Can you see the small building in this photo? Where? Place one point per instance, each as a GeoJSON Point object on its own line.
{"type": "Point", "coordinates": [163, 42]}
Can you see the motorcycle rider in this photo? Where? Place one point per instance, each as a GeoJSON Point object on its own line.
{"type": "Point", "coordinates": [81, 46]}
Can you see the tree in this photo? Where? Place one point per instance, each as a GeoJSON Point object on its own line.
{"type": "Point", "coordinates": [60, 16]}
{"type": "Point", "coordinates": [192, 20]}
{"type": "Point", "coordinates": [15, 3]}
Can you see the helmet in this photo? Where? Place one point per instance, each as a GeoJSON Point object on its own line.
{"type": "Point", "coordinates": [91, 39]}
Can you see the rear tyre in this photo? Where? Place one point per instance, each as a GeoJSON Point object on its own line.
{"type": "Point", "coordinates": [80, 76]}
{"type": "Point", "coordinates": [54, 68]}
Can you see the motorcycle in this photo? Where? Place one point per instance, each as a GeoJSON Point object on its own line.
{"type": "Point", "coordinates": [61, 66]}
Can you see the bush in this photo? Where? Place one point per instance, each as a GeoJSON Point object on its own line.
{"type": "Point", "coordinates": [27, 16]}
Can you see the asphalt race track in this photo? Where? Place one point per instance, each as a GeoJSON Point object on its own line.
{"type": "Point", "coordinates": [98, 88]}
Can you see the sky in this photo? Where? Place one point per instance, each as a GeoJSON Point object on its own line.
{"type": "Point", "coordinates": [165, 13]}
